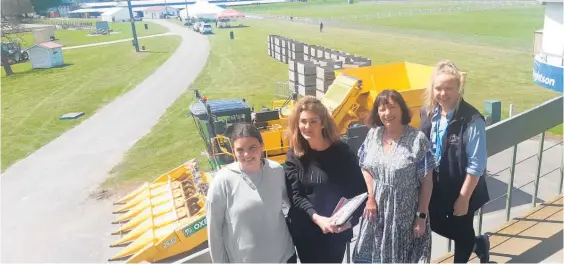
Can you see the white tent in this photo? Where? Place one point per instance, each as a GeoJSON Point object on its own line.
{"type": "Point", "coordinates": [116, 14]}
{"type": "Point", "coordinates": [201, 9]}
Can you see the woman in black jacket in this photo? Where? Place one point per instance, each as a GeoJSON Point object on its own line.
{"type": "Point", "coordinates": [320, 170]}
{"type": "Point", "coordinates": [457, 132]}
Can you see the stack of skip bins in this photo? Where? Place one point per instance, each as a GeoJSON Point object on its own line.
{"type": "Point", "coordinates": [279, 48]}
{"type": "Point", "coordinates": [293, 75]}
{"type": "Point", "coordinates": [284, 47]}
{"type": "Point", "coordinates": [305, 78]}
{"type": "Point", "coordinates": [325, 73]}
{"type": "Point", "coordinates": [270, 45]}
{"type": "Point", "coordinates": [311, 52]}
{"type": "Point", "coordinates": [296, 50]}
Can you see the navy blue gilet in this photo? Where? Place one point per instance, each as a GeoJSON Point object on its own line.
{"type": "Point", "coordinates": [448, 181]}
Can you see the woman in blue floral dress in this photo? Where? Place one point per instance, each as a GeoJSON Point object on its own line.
{"type": "Point", "coordinates": [397, 164]}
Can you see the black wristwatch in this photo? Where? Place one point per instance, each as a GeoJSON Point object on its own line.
{"type": "Point", "coordinates": [421, 215]}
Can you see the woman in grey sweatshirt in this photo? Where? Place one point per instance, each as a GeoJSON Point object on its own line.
{"type": "Point", "coordinates": [244, 206]}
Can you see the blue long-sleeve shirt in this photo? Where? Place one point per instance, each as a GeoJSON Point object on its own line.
{"type": "Point", "coordinates": [474, 139]}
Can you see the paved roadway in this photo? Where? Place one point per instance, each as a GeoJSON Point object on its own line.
{"type": "Point", "coordinates": [47, 213]}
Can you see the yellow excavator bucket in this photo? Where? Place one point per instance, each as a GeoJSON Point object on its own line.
{"type": "Point", "coordinates": [163, 218]}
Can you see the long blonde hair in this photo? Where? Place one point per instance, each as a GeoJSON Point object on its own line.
{"type": "Point", "coordinates": [442, 67]}
{"type": "Point", "coordinates": [309, 103]}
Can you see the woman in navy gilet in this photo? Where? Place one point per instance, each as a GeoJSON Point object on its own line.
{"type": "Point", "coordinates": [457, 134]}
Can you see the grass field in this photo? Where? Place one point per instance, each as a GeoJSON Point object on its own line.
{"type": "Point", "coordinates": [241, 68]}
{"type": "Point", "coordinates": [338, 10]}
{"type": "Point", "coordinates": [80, 37]}
{"type": "Point", "coordinates": [516, 23]}
{"type": "Point", "coordinates": [514, 27]}
{"type": "Point", "coordinates": [33, 100]}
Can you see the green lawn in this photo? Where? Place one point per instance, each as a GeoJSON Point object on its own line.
{"type": "Point", "coordinates": [320, 10]}
{"type": "Point", "coordinates": [241, 68]}
{"type": "Point", "coordinates": [33, 100]}
{"type": "Point", "coordinates": [518, 23]}
{"type": "Point", "coordinates": [276, 6]}
{"type": "Point", "coordinates": [506, 27]}
{"type": "Point", "coordinates": [80, 37]}
{"type": "Point", "coordinates": [510, 27]}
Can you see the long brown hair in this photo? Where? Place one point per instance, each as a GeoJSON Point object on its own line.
{"type": "Point", "coordinates": [309, 103]}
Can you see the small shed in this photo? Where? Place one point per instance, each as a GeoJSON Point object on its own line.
{"type": "Point", "coordinates": [46, 55]}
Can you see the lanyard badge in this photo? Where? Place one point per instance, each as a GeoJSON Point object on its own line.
{"type": "Point", "coordinates": [439, 140]}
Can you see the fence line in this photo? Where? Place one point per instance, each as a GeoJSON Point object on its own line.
{"type": "Point", "coordinates": [401, 3]}
{"type": "Point", "coordinates": [503, 42]}
{"type": "Point", "coordinates": [396, 13]}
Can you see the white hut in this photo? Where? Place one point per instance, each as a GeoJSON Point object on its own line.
{"type": "Point", "coordinates": [46, 55]}
{"type": "Point", "coordinates": [116, 14]}
{"type": "Point", "coordinates": [159, 11]}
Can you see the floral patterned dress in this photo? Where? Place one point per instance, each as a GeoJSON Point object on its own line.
{"type": "Point", "coordinates": [397, 175]}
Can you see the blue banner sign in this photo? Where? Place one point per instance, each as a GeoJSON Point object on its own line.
{"type": "Point", "coordinates": [548, 76]}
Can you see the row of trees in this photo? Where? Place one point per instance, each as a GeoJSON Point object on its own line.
{"type": "Point", "coordinates": [18, 7]}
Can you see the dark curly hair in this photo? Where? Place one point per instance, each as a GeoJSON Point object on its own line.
{"type": "Point", "coordinates": [384, 97]}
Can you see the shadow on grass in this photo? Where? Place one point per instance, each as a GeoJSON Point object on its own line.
{"type": "Point", "coordinates": [239, 26]}
{"type": "Point", "coordinates": [33, 71]}
{"type": "Point", "coordinates": [153, 51]}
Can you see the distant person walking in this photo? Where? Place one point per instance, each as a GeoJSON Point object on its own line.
{"type": "Point", "coordinates": [321, 27]}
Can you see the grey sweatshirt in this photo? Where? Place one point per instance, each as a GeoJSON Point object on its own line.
{"type": "Point", "coordinates": [245, 219]}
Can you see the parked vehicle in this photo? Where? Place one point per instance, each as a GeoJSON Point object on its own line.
{"type": "Point", "coordinates": [205, 29]}
{"type": "Point", "coordinates": [14, 52]}
{"type": "Point", "coordinates": [196, 26]}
